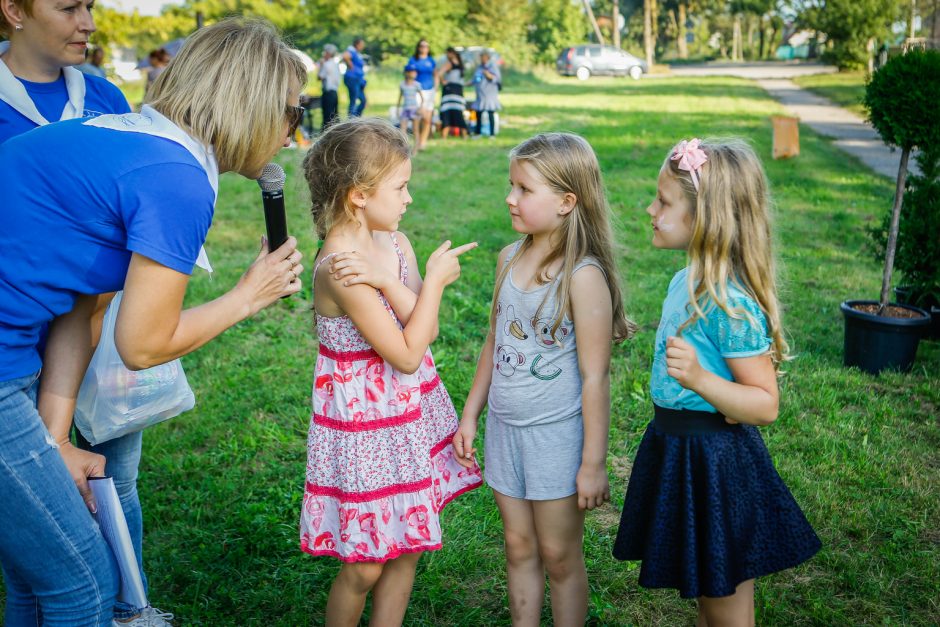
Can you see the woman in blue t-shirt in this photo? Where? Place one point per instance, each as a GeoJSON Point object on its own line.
{"type": "Point", "coordinates": [132, 214]}
{"type": "Point", "coordinates": [37, 83]}
{"type": "Point", "coordinates": [423, 63]}
{"type": "Point", "coordinates": [38, 86]}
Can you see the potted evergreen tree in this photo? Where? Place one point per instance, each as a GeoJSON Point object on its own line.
{"type": "Point", "coordinates": [903, 101]}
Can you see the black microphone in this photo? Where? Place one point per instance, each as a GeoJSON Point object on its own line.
{"type": "Point", "coordinates": [272, 196]}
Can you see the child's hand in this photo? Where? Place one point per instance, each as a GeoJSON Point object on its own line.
{"type": "Point", "coordinates": [682, 363]}
{"type": "Point", "coordinates": [463, 442]}
{"type": "Point", "coordinates": [443, 264]}
{"type": "Point", "coordinates": [593, 486]}
{"type": "Point", "coordinates": [354, 268]}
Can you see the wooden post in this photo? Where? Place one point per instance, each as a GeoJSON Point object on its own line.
{"type": "Point", "coordinates": [786, 136]}
{"type": "Point", "coordinates": [616, 20]}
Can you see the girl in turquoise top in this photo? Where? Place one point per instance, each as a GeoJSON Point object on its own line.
{"type": "Point", "coordinates": [705, 509]}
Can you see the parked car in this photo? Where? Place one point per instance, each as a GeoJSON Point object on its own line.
{"type": "Point", "coordinates": [589, 59]}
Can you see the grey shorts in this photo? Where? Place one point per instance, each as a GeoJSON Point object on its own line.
{"type": "Point", "coordinates": [537, 463]}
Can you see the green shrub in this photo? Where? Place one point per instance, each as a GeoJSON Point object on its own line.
{"type": "Point", "coordinates": [903, 100]}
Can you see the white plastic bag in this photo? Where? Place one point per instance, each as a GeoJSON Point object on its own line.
{"type": "Point", "coordinates": [114, 401]}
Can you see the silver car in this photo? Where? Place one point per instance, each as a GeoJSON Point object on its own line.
{"type": "Point", "coordinates": [589, 59]}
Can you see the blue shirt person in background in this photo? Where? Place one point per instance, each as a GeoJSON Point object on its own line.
{"type": "Point", "coordinates": [422, 62]}
{"type": "Point", "coordinates": [132, 214]}
{"type": "Point", "coordinates": [92, 64]}
{"type": "Point", "coordinates": [355, 77]}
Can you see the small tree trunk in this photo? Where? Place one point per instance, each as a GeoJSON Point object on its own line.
{"type": "Point", "coordinates": [597, 29]}
{"type": "Point", "coordinates": [893, 231]}
{"type": "Point", "coordinates": [648, 33]}
{"type": "Point", "coordinates": [683, 45]}
{"type": "Point", "coordinates": [763, 35]}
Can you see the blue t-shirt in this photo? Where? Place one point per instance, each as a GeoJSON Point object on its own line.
{"type": "Point", "coordinates": [100, 97]}
{"type": "Point", "coordinates": [715, 339]}
{"type": "Point", "coordinates": [70, 227]}
{"type": "Point", "coordinates": [356, 70]}
{"type": "Point", "coordinates": [425, 69]}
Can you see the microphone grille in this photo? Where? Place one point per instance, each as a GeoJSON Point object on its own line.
{"type": "Point", "coordinates": [272, 178]}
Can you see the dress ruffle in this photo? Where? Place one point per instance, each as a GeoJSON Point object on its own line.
{"type": "Point", "coordinates": [381, 465]}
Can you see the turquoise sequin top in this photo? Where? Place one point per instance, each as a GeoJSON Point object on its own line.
{"type": "Point", "coordinates": [715, 339]}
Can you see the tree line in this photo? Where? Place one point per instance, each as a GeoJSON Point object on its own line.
{"type": "Point", "coordinates": [527, 32]}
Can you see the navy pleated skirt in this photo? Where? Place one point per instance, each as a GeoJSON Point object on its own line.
{"type": "Point", "coordinates": [705, 508]}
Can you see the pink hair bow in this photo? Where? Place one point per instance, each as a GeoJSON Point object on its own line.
{"type": "Point", "coordinates": [691, 158]}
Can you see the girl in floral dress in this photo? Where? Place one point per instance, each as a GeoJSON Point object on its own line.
{"type": "Point", "coordinates": [380, 463]}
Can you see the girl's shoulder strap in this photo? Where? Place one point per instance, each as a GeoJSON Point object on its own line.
{"type": "Point", "coordinates": [402, 262]}
{"type": "Point", "coordinates": [512, 252]}
{"type": "Point", "coordinates": [316, 268]}
{"type": "Point", "coordinates": [588, 260]}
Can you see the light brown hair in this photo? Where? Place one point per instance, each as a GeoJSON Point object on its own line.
{"type": "Point", "coordinates": [567, 164]}
{"type": "Point", "coordinates": [228, 87]}
{"type": "Point", "coordinates": [353, 155]}
{"type": "Point", "coordinates": [731, 236]}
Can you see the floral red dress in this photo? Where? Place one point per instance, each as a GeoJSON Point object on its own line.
{"type": "Point", "coordinates": [380, 463]}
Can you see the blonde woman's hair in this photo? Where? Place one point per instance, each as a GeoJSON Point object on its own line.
{"type": "Point", "coordinates": [6, 28]}
{"type": "Point", "coordinates": [568, 165]}
{"type": "Point", "coordinates": [353, 155]}
{"type": "Point", "coordinates": [228, 87]}
{"type": "Point", "coordinates": [731, 236]}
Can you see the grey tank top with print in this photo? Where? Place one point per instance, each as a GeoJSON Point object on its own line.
{"type": "Point", "coordinates": [536, 379]}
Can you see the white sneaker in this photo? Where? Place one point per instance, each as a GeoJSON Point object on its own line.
{"type": "Point", "coordinates": [148, 617]}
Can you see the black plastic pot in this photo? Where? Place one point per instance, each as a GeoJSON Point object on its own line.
{"type": "Point", "coordinates": [875, 343]}
{"type": "Point", "coordinates": [906, 296]}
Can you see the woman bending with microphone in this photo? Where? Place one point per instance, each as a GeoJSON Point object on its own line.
{"type": "Point", "coordinates": [131, 214]}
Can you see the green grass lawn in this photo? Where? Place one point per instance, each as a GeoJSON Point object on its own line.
{"type": "Point", "coordinates": [846, 89]}
{"type": "Point", "coordinates": [221, 486]}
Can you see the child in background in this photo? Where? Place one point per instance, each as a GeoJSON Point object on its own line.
{"type": "Point", "coordinates": [544, 373]}
{"type": "Point", "coordinates": [410, 97]}
{"type": "Point", "coordinates": [705, 509]}
{"type": "Point", "coordinates": [380, 464]}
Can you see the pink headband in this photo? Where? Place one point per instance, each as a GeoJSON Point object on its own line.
{"type": "Point", "coordinates": [691, 158]}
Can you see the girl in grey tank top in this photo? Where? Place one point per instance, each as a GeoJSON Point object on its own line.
{"type": "Point", "coordinates": [544, 373]}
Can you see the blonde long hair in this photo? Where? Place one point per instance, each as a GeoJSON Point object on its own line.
{"type": "Point", "coordinates": [228, 87]}
{"type": "Point", "coordinates": [353, 155]}
{"type": "Point", "coordinates": [731, 235]}
{"type": "Point", "coordinates": [568, 165]}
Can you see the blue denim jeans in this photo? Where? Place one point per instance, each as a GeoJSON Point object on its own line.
{"type": "Point", "coordinates": [123, 458]}
{"type": "Point", "coordinates": [57, 568]}
{"type": "Point", "coordinates": [357, 95]}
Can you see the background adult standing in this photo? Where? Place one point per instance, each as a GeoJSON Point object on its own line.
{"type": "Point", "coordinates": [355, 77]}
{"type": "Point", "coordinates": [329, 78]}
{"type": "Point", "coordinates": [92, 64]}
{"type": "Point", "coordinates": [488, 82]}
{"type": "Point", "coordinates": [423, 63]}
{"type": "Point", "coordinates": [132, 214]}
{"type": "Point", "coordinates": [158, 60]}
{"type": "Point", "coordinates": [453, 103]}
